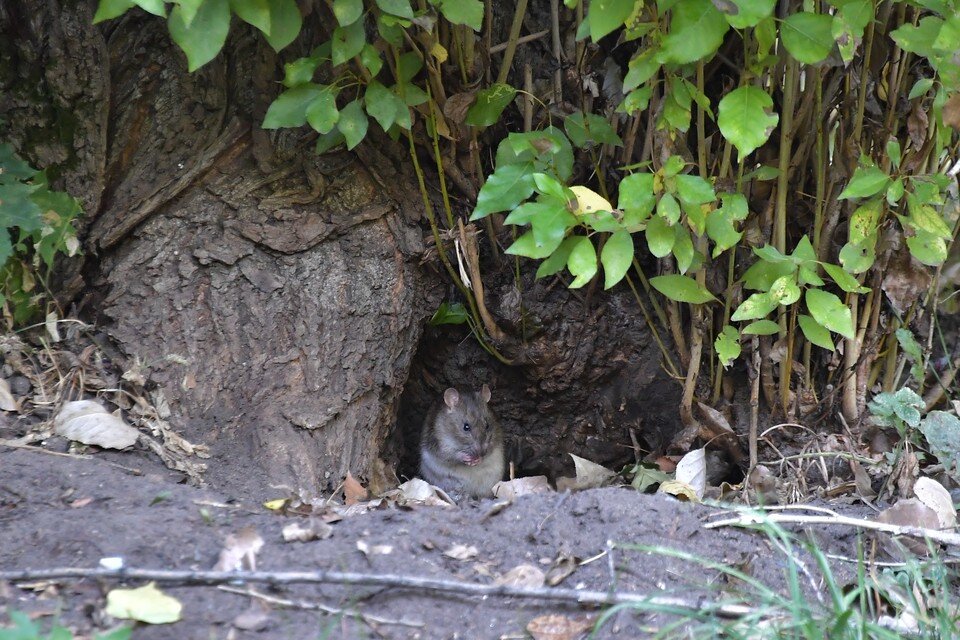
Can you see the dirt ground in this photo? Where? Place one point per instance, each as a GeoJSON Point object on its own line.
{"type": "Point", "coordinates": [57, 511]}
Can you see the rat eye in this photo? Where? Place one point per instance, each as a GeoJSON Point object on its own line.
{"type": "Point", "coordinates": [466, 426]}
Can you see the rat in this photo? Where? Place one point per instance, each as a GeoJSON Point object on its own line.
{"type": "Point", "coordinates": [461, 445]}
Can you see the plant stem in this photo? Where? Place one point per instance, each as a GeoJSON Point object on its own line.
{"type": "Point", "coordinates": [780, 213]}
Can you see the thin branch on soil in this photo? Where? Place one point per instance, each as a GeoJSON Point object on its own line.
{"type": "Point", "coordinates": [943, 537]}
{"type": "Point", "coordinates": [76, 456]}
{"type": "Point", "coordinates": [581, 597]}
{"type": "Point", "coordinates": [316, 606]}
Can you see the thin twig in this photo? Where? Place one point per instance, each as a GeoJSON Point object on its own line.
{"type": "Point", "coordinates": [750, 519]}
{"type": "Point", "coordinates": [497, 48]}
{"type": "Point", "coordinates": [317, 606]}
{"type": "Point", "coordinates": [583, 597]}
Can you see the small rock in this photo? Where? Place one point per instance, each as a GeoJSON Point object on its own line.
{"type": "Point", "coordinates": [20, 385]}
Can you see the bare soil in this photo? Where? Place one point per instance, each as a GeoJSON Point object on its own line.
{"type": "Point", "coordinates": [57, 511]}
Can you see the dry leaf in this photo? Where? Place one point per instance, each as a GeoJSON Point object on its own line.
{"type": "Point", "coordinates": [240, 551]}
{"type": "Point", "coordinates": [935, 496]}
{"type": "Point", "coordinates": [862, 480]}
{"type": "Point", "coordinates": [524, 575]}
{"type": "Point", "coordinates": [146, 604]}
{"type": "Point", "coordinates": [562, 566]}
{"type": "Point", "coordinates": [907, 513]}
{"type": "Point", "coordinates": [353, 491]}
{"type": "Point", "coordinates": [951, 111]}
{"type": "Point", "coordinates": [558, 627]}
{"type": "Point", "coordinates": [315, 529]}
{"type": "Point", "coordinates": [255, 618]}
{"type": "Point", "coordinates": [679, 490]}
{"type": "Point", "coordinates": [50, 324]}
{"type": "Point", "coordinates": [692, 471]}
{"type": "Point", "coordinates": [7, 401]}
{"type": "Point", "coordinates": [461, 552]}
{"type": "Point", "coordinates": [374, 549]}
{"type": "Point", "coordinates": [89, 422]}
{"type": "Point", "coordinates": [420, 491]}
{"type": "Point", "coordinates": [510, 489]}
{"type": "Point", "coordinates": [590, 474]}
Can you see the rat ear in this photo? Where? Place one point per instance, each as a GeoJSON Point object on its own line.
{"type": "Point", "coordinates": [485, 393]}
{"type": "Point", "coordinates": [451, 398]}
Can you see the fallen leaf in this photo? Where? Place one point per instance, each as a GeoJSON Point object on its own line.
{"type": "Point", "coordinates": [89, 422]}
{"type": "Point", "coordinates": [590, 474]}
{"type": "Point", "coordinates": [510, 489]}
{"type": "Point", "coordinates": [417, 491]}
{"type": "Point", "coordinates": [50, 324]}
{"type": "Point", "coordinates": [255, 618]}
{"type": "Point", "coordinates": [692, 471]}
{"type": "Point", "coordinates": [562, 566]}
{"type": "Point", "coordinates": [679, 490]}
{"type": "Point", "coordinates": [353, 491]}
{"type": "Point", "coordinates": [80, 502]}
{"type": "Point", "coordinates": [145, 604]}
{"type": "Point", "coordinates": [275, 505]}
{"type": "Point", "coordinates": [240, 551]}
{"type": "Point", "coordinates": [862, 479]}
{"type": "Point", "coordinates": [374, 549]}
{"type": "Point", "coordinates": [7, 401]}
{"type": "Point", "coordinates": [907, 513]}
{"type": "Point", "coordinates": [461, 552]}
{"type": "Point", "coordinates": [524, 575]}
{"type": "Point", "coordinates": [315, 529]}
{"type": "Point", "coordinates": [935, 496]}
{"type": "Point", "coordinates": [951, 112]}
{"type": "Point", "coordinates": [558, 627]}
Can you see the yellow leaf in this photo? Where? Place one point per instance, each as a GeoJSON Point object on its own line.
{"type": "Point", "coordinates": [589, 201]}
{"type": "Point", "coordinates": [438, 52]}
{"type": "Point", "coordinates": [146, 604]}
{"type": "Point", "coordinates": [680, 490]}
{"type": "Point", "coordinates": [275, 505]}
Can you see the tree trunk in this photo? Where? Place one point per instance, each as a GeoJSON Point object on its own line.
{"type": "Point", "coordinates": [278, 297]}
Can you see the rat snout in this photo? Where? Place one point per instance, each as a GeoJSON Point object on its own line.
{"type": "Point", "coordinates": [471, 457]}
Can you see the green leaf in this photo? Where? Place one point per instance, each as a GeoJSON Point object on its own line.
{"type": "Point", "coordinates": [290, 107]}
{"type": "Point", "coordinates": [616, 257]}
{"type": "Point", "coordinates": [758, 305]}
{"type": "Point", "coordinates": [683, 248]}
{"type": "Point", "coordinates": [285, 23]}
{"type": "Point", "coordinates": [550, 226]}
{"type": "Point", "coordinates": [110, 9]}
{"type": "Point", "coordinates": [582, 262]}
{"type": "Point", "coordinates": [545, 151]}
{"type": "Point", "coordinates": [843, 279]}
{"type": "Point", "coordinates": [942, 431]}
{"type": "Point", "coordinates": [785, 290]}
{"type": "Point", "coordinates": [370, 58]}
{"type": "Point", "coordinates": [746, 13]}
{"type": "Point", "coordinates": [582, 128]}
{"type": "Point", "coordinates": [721, 230]}
{"type": "Point", "coordinates": [322, 114]}
{"type": "Point", "coordinates": [829, 311]}
{"type": "Point", "coordinates": [696, 31]}
{"type": "Point", "coordinates": [641, 68]}
{"type": "Point", "coordinates": [925, 218]}
{"type": "Point", "coordinates": [864, 221]}
{"type": "Point", "coordinates": [558, 259]}
{"type": "Point", "coordinates": [727, 346]}
{"type": "Point", "coordinates": [400, 8]}
{"type": "Point", "coordinates": [526, 212]}
{"type": "Point", "coordinates": [347, 11]}
{"type": "Point", "coordinates": [527, 246]}
{"type": "Point", "coordinates": [504, 189]}
{"type": "Point", "coordinates": [815, 332]}
{"type": "Point", "coordinates": [391, 32]}
{"type": "Point", "coordinates": [920, 87]}
{"type": "Point", "coordinates": [919, 39]}
{"type": "Point", "coordinates": [300, 71]}
{"type": "Point", "coordinates": [695, 190]}
{"type": "Point", "coordinates": [636, 197]}
{"type": "Point", "coordinates": [253, 12]}
{"type": "Point", "coordinates": [189, 9]}
{"type": "Point", "coordinates": [466, 12]}
{"type": "Point", "coordinates": [490, 104]}
{"type": "Point", "coordinates": [913, 349]}
{"type": "Point", "coordinates": [607, 15]}
{"type": "Point", "coordinates": [660, 237]}
{"type": "Point", "coordinates": [409, 66]}
{"type": "Point", "coordinates": [18, 209]}
{"type": "Point", "coordinates": [762, 274]}
{"type": "Point", "coordinates": [636, 100]}
{"type": "Point", "coordinates": [156, 7]}
{"type": "Point", "coordinates": [347, 42]}
{"type": "Point", "coordinates": [895, 192]}
{"type": "Point", "coordinates": [807, 36]}
{"type": "Point", "coordinates": [353, 124]}
{"type": "Point", "coordinates": [673, 166]}
{"type": "Point", "coordinates": [866, 181]}
{"type": "Point", "coordinates": [762, 328]}
{"type": "Point", "coordinates": [745, 118]}
{"type": "Point", "coordinates": [681, 288]}
{"type": "Point", "coordinates": [381, 104]}
{"type": "Point", "coordinates": [858, 257]}
{"type": "Point", "coordinates": [204, 38]}
{"type": "Point", "coordinates": [446, 313]}
{"type": "Point", "coordinates": [928, 248]}
{"type": "Point", "coordinates": [668, 209]}
{"type": "Point", "coordinates": [328, 141]}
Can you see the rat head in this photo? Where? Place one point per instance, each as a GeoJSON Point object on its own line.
{"type": "Point", "coordinates": [465, 429]}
